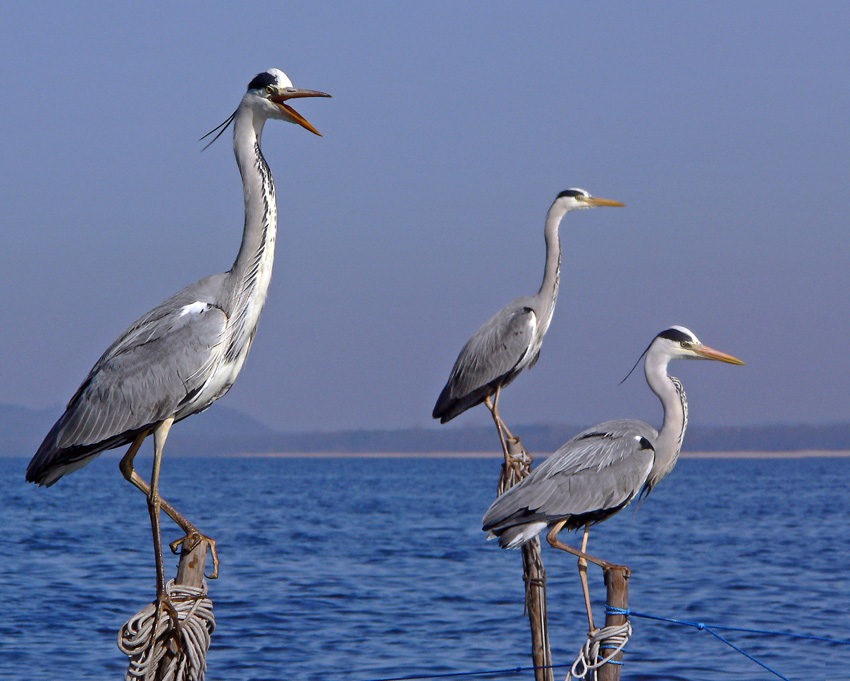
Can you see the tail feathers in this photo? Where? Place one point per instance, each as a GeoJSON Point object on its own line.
{"type": "Point", "coordinates": [448, 407]}
{"type": "Point", "coordinates": [39, 468]}
{"type": "Point", "coordinates": [516, 535]}
{"type": "Point", "coordinates": [47, 474]}
{"type": "Point", "coordinates": [51, 462]}
{"type": "Point", "coordinates": [445, 408]}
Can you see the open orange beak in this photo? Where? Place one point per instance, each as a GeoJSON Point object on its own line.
{"type": "Point", "coordinates": [294, 93]}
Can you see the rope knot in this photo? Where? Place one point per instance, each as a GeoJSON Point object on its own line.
{"type": "Point", "coordinates": [609, 638]}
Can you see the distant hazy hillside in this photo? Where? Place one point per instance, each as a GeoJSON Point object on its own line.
{"type": "Point", "coordinates": [218, 431]}
{"type": "Point", "coordinates": [222, 431]}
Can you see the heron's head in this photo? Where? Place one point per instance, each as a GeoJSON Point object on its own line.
{"type": "Point", "coordinates": [267, 95]}
{"type": "Point", "coordinates": [576, 199]}
{"type": "Point", "coordinates": [269, 91]}
{"type": "Point", "coordinates": [677, 342]}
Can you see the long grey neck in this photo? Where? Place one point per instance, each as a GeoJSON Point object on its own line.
{"type": "Point", "coordinates": [258, 186]}
{"type": "Point", "coordinates": [548, 293]}
{"type": "Point", "coordinates": [251, 272]}
{"type": "Point", "coordinates": [672, 395]}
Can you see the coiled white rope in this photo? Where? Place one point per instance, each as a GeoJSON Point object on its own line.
{"type": "Point", "coordinates": [588, 659]}
{"type": "Point", "coordinates": [185, 647]}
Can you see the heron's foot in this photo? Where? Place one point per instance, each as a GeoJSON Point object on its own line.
{"type": "Point", "coordinates": [517, 469]}
{"type": "Point", "coordinates": [164, 608]}
{"type": "Point", "coordinates": [605, 565]}
{"type": "Point", "coordinates": [190, 541]}
{"type": "Point", "coordinates": [625, 569]}
{"type": "Point", "coordinates": [527, 459]}
{"type": "Point", "coordinates": [517, 459]}
{"type": "Point", "coordinates": [509, 477]}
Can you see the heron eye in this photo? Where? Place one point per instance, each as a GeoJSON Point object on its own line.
{"type": "Point", "coordinates": [684, 344]}
{"type": "Point", "coordinates": [269, 89]}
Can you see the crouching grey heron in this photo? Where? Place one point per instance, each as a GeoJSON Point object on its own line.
{"type": "Point", "coordinates": [598, 472]}
{"type": "Point", "coordinates": [180, 357]}
{"type": "Point", "coordinates": [510, 340]}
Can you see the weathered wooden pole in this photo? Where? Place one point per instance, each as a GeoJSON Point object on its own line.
{"type": "Point", "coordinates": [617, 582]}
{"type": "Point", "coordinates": [535, 603]}
{"type": "Point", "coordinates": [534, 574]}
{"type": "Point", "coordinates": [190, 572]}
{"type": "Point", "coordinates": [159, 647]}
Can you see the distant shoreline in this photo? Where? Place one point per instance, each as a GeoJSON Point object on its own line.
{"type": "Point", "coordinates": [226, 432]}
{"type": "Point", "coordinates": [802, 454]}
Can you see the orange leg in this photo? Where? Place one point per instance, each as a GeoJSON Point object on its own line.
{"type": "Point", "coordinates": [583, 559]}
{"type": "Point", "coordinates": [493, 406]}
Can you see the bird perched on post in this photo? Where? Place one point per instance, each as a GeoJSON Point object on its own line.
{"type": "Point", "coordinates": [510, 340]}
{"type": "Point", "coordinates": [599, 471]}
{"type": "Point", "coordinates": [185, 353]}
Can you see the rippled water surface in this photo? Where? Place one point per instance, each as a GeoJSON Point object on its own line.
{"type": "Point", "coordinates": [366, 569]}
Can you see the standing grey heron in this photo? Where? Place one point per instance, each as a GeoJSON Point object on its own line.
{"type": "Point", "coordinates": [186, 352]}
{"type": "Point", "coordinates": [598, 472]}
{"type": "Point", "coordinates": [510, 340]}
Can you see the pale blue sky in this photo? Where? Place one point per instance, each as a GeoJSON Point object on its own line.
{"type": "Point", "coordinates": [420, 212]}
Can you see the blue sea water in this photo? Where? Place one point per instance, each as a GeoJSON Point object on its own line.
{"type": "Point", "coordinates": [365, 569]}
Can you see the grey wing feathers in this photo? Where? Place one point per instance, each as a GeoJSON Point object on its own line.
{"type": "Point", "coordinates": [599, 470]}
{"type": "Point", "coordinates": [156, 365]}
{"type": "Point", "coordinates": [490, 358]}
{"type": "Point", "coordinates": [599, 447]}
{"type": "Point", "coordinates": [155, 323]}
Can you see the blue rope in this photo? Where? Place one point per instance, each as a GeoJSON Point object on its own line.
{"type": "Point", "coordinates": [701, 626]}
{"type": "Point", "coordinates": [512, 670]}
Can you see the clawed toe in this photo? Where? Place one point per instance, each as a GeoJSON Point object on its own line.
{"type": "Point", "coordinates": [191, 541]}
{"type": "Point", "coordinates": [625, 569]}
{"type": "Point", "coordinates": [164, 604]}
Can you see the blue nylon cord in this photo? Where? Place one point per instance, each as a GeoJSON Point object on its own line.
{"type": "Point", "coordinates": [512, 670]}
{"type": "Point", "coordinates": [710, 629]}
{"type": "Point", "coordinates": [701, 625]}
{"type": "Point", "coordinates": [745, 654]}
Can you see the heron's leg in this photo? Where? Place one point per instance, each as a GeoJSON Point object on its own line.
{"type": "Point", "coordinates": [506, 435]}
{"type": "Point", "coordinates": [582, 574]}
{"type": "Point", "coordinates": [193, 536]}
{"type": "Point", "coordinates": [494, 412]}
{"type": "Point", "coordinates": [160, 434]}
{"type": "Point", "coordinates": [163, 604]}
{"type": "Point", "coordinates": [493, 406]}
{"type": "Point", "coordinates": [553, 540]}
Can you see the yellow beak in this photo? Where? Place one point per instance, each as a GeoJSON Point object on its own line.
{"type": "Point", "coordinates": [596, 201]}
{"type": "Point", "coordinates": [706, 352]}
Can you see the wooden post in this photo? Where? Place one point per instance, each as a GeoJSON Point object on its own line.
{"type": "Point", "coordinates": [190, 572]}
{"type": "Point", "coordinates": [617, 582]}
{"type": "Point", "coordinates": [534, 574]}
{"type": "Point", "coordinates": [535, 604]}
